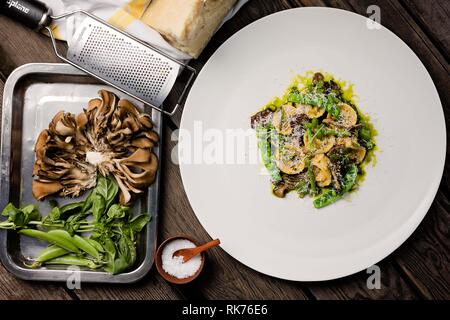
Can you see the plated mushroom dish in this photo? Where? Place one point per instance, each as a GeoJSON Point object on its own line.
{"type": "Point", "coordinates": [314, 140]}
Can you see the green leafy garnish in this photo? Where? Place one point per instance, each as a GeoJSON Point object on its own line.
{"type": "Point", "coordinates": [112, 244]}
{"type": "Point", "coordinates": [349, 179]}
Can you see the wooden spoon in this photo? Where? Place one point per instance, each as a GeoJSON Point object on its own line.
{"type": "Point", "coordinates": [188, 254]}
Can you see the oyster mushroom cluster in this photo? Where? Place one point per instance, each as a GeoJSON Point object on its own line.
{"type": "Point", "coordinates": [110, 137]}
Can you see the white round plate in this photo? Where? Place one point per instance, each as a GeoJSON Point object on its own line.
{"type": "Point", "coordinates": [288, 238]}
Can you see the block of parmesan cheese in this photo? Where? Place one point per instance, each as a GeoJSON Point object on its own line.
{"type": "Point", "coordinates": [187, 24]}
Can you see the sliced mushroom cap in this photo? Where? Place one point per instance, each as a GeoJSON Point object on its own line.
{"type": "Point", "coordinates": [319, 145]}
{"type": "Point", "coordinates": [125, 195]}
{"type": "Point", "coordinates": [280, 190]}
{"type": "Point", "coordinates": [140, 174]}
{"type": "Point", "coordinates": [63, 124]}
{"type": "Point", "coordinates": [321, 167]}
{"type": "Point", "coordinates": [290, 159]}
{"type": "Point", "coordinates": [142, 142]}
{"type": "Point", "coordinates": [282, 118]}
{"type": "Point", "coordinates": [152, 135]}
{"type": "Point", "coordinates": [126, 108]}
{"type": "Point", "coordinates": [347, 117]}
{"type": "Point", "coordinates": [145, 120]}
{"type": "Point", "coordinates": [314, 112]}
{"type": "Point", "coordinates": [347, 142]}
{"type": "Point", "coordinates": [41, 144]}
{"type": "Point", "coordinates": [357, 152]}
{"type": "Point", "coordinates": [43, 188]}
{"type": "Point", "coordinates": [94, 104]}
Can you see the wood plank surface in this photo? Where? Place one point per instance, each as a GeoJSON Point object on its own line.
{"type": "Point", "coordinates": [393, 286]}
{"type": "Point", "coordinates": [425, 256]}
{"type": "Point", "coordinates": [12, 288]}
{"type": "Point", "coordinates": [433, 16]}
{"type": "Point", "coordinates": [19, 45]}
{"type": "Point", "coordinates": [152, 287]}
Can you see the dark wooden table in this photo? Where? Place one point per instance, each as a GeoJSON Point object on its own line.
{"type": "Point", "coordinates": [419, 269]}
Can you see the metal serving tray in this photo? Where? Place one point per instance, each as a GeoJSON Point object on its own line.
{"type": "Point", "coordinates": [33, 94]}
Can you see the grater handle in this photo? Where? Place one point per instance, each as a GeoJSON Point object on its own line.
{"type": "Point", "coordinates": [31, 13]}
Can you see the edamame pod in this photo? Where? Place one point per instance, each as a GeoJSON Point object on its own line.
{"type": "Point", "coordinates": [84, 245]}
{"type": "Point", "coordinates": [73, 261]}
{"type": "Point", "coordinates": [61, 238]}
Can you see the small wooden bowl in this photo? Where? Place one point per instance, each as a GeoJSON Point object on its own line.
{"type": "Point", "coordinates": [164, 274]}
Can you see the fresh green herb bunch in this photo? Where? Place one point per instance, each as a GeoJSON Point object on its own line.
{"type": "Point", "coordinates": [112, 228]}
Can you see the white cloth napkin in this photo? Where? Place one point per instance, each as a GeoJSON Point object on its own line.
{"type": "Point", "coordinates": [123, 14]}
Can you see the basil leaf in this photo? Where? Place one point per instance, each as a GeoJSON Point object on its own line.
{"type": "Point", "coordinates": [71, 207]}
{"type": "Point", "coordinates": [139, 222]}
{"type": "Point", "coordinates": [27, 210]}
{"type": "Point", "coordinates": [9, 210]}
{"type": "Point", "coordinates": [98, 207]}
{"type": "Point", "coordinates": [116, 211]}
{"type": "Point", "coordinates": [88, 202]}
{"type": "Point", "coordinates": [126, 255]}
{"type": "Point", "coordinates": [107, 188]}
{"type": "Point", "coordinates": [55, 214]}
{"type": "Point", "coordinates": [110, 249]}
{"type": "Point", "coordinates": [19, 217]}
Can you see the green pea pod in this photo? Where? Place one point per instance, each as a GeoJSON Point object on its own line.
{"type": "Point", "coordinates": [66, 237]}
{"type": "Point", "coordinates": [328, 197]}
{"type": "Point", "coordinates": [51, 252]}
{"type": "Point", "coordinates": [95, 244]}
{"type": "Point", "coordinates": [61, 238]}
{"type": "Point", "coordinates": [85, 246]}
{"type": "Point", "coordinates": [311, 178]}
{"type": "Point", "coordinates": [264, 136]}
{"type": "Point", "coordinates": [48, 253]}
{"type": "Point", "coordinates": [73, 261]}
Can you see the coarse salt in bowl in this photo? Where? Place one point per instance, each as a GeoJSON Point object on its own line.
{"type": "Point", "coordinates": [172, 268]}
{"type": "Point", "coordinates": [175, 265]}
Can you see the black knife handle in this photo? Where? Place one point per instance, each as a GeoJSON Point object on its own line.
{"type": "Point", "coordinates": [31, 13]}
